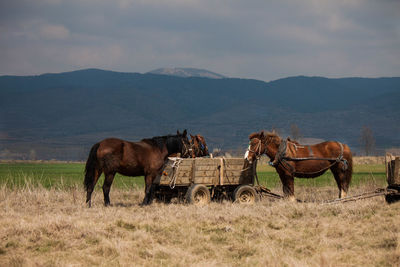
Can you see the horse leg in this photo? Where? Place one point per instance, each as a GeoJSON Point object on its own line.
{"type": "Point", "coordinates": [148, 197]}
{"type": "Point", "coordinates": [341, 179]}
{"type": "Point", "coordinates": [287, 185]}
{"type": "Point", "coordinates": [90, 188]}
{"type": "Point", "coordinates": [108, 179]}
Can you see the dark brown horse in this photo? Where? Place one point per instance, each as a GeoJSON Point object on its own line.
{"type": "Point", "coordinates": [145, 158]}
{"type": "Point", "coordinates": [198, 146]}
{"type": "Point", "coordinates": [291, 159]}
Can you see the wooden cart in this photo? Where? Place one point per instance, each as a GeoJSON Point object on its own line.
{"type": "Point", "coordinates": [393, 177]}
{"type": "Point", "coordinates": [199, 180]}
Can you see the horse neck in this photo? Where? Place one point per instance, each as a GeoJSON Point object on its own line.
{"type": "Point", "coordinates": [172, 147]}
{"type": "Point", "coordinates": [164, 152]}
{"type": "Point", "coordinates": [272, 149]}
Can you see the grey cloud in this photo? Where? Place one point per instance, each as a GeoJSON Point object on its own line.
{"type": "Point", "coordinates": [252, 39]}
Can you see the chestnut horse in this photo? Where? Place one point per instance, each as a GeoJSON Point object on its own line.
{"type": "Point", "coordinates": [198, 146]}
{"type": "Point", "coordinates": [291, 159]}
{"type": "Point", "coordinates": [145, 158]}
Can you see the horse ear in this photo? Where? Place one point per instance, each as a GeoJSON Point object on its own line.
{"type": "Point", "coordinates": [262, 134]}
{"type": "Point", "coordinates": [177, 132]}
{"type": "Point", "coordinates": [184, 133]}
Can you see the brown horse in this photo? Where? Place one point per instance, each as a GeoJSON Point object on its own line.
{"type": "Point", "coordinates": [198, 146]}
{"type": "Point", "coordinates": [291, 159]}
{"type": "Point", "coordinates": [145, 158]}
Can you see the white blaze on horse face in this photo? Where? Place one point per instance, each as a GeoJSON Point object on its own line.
{"type": "Point", "coordinates": [246, 155]}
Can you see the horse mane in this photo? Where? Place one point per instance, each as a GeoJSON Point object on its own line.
{"type": "Point", "coordinates": [254, 135]}
{"type": "Point", "coordinates": [273, 136]}
{"type": "Point", "coordinates": [293, 141]}
{"type": "Point", "coordinates": [266, 134]}
{"type": "Point", "coordinates": [158, 141]}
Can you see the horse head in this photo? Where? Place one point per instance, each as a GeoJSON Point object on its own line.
{"type": "Point", "coordinates": [260, 143]}
{"type": "Point", "coordinates": [184, 146]}
{"type": "Point", "coordinates": [199, 146]}
{"type": "Point", "coordinates": [203, 145]}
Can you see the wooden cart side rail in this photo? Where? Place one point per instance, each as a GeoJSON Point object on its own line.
{"type": "Point", "coordinates": [392, 164]}
{"type": "Point", "coordinates": [211, 172]}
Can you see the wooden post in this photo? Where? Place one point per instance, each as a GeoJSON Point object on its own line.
{"type": "Point", "coordinates": [221, 172]}
{"type": "Point", "coordinates": [388, 159]}
{"type": "Point", "coordinates": [193, 171]}
{"type": "Point", "coordinates": [392, 169]}
{"type": "Point", "coordinates": [396, 178]}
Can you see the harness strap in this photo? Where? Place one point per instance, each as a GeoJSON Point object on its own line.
{"type": "Point", "coordinates": [280, 155]}
{"type": "Point", "coordinates": [281, 158]}
{"type": "Point", "coordinates": [310, 152]}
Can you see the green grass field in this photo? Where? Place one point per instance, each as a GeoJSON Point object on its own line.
{"type": "Point", "coordinates": [55, 175]}
{"type": "Point", "coordinates": [64, 175]}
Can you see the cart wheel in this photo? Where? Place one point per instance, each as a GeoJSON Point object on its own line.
{"type": "Point", "coordinates": [245, 194]}
{"type": "Point", "coordinates": [198, 194]}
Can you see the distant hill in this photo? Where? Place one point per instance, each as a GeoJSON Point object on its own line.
{"type": "Point", "coordinates": [187, 72]}
{"type": "Point", "coordinates": [61, 115]}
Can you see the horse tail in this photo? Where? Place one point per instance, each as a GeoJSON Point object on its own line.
{"type": "Point", "coordinates": [349, 170]}
{"type": "Point", "coordinates": [91, 166]}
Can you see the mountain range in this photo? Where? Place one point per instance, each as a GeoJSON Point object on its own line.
{"type": "Point", "coordinates": [59, 116]}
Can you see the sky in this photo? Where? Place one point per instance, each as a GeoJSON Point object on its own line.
{"type": "Point", "coordinates": [256, 39]}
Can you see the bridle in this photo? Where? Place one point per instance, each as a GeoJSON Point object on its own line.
{"type": "Point", "coordinates": [194, 149]}
{"type": "Point", "coordinates": [257, 152]}
{"type": "Point", "coordinates": [187, 149]}
{"type": "Point", "coordinates": [198, 150]}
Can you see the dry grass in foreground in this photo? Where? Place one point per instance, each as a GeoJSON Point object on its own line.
{"type": "Point", "coordinates": [40, 227]}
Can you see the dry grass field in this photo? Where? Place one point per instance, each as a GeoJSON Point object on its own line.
{"type": "Point", "coordinates": [50, 227]}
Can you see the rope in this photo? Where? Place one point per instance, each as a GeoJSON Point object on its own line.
{"type": "Point", "coordinates": [175, 166]}
{"type": "Point", "coordinates": [255, 172]}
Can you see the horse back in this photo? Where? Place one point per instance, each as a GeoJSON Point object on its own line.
{"type": "Point", "coordinates": [327, 149]}
{"type": "Point", "coordinates": [313, 156]}
{"type": "Point", "coordinates": [127, 158]}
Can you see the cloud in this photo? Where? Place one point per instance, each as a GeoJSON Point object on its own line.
{"type": "Point", "coordinates": [251, 39]}
{"type": "Point", "coordinates": [54, 32]}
